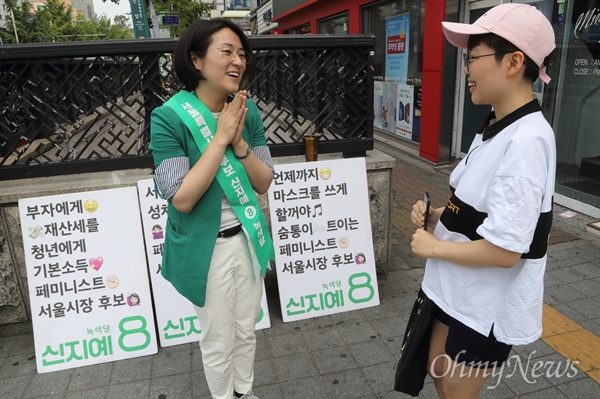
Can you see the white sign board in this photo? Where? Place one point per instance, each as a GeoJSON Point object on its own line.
{"type": "Point", "coordinates": [322, 235]}
{"type": "Point", "coordinates": [175, 315]}
{"type": "Point", "coordinates": [88, 278]}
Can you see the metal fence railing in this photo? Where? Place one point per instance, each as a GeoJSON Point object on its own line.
{"type": "Point", "coordinates": [84, 106]}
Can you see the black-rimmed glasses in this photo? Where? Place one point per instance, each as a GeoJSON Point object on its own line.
{"type": "Point", "coordinates": [229, 54]}
{"type": "Point", "coordinates": [467, 59]}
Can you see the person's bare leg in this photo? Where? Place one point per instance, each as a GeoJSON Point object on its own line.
{"type": "Point", "coordinates": [437, 360]}
{"type": "Point", "coordinates": [463, 381]}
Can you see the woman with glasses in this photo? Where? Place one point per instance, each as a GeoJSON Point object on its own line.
{"type": "Point", "coordinates": [210, 156]}
{"type": "Point", "coordinates": [487, 255]}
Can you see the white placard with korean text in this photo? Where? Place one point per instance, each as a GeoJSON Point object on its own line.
{"type": "Point", "coordinates": [321, 229]}
{"type": "Point", "coordinates": [88, 278]}
{"type": "Point", "coordinates": [175, 315]}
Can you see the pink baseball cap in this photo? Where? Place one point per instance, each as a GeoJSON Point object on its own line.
{"type": "Point", "coordinates": [521, 24]}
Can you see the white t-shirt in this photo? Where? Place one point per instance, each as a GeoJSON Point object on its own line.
{"type": "Point", "coordinates": [502, 192]}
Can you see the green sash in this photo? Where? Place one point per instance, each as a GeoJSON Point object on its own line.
{"type": "Point", "coordinates": [231, 175]}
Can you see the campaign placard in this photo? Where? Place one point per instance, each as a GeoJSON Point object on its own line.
{"type": "Point", "coordinates": [88, 278]}
{"type": "Point", "coordinates": [321, 229]}
{"type": "Point", "coordinates": [175, 315]}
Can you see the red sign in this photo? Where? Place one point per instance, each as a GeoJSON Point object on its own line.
{"type": "Point", "coordinates": [396, 44]}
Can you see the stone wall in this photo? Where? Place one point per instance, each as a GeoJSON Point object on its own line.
{"type": "Point", "coordinates": [14, 292]}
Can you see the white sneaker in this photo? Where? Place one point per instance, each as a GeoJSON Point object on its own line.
{"type": "Point", "coordinates": [249, 395]}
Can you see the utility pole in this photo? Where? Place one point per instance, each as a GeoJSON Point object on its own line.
{"type": "Point", "coordinates": [14, 25]}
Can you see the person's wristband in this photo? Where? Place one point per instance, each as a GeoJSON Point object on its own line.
{"type": "Point", "coordinates": [245, 155]}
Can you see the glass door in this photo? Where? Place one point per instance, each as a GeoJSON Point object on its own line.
{"type": "Point", "coordinates": [471, 116]}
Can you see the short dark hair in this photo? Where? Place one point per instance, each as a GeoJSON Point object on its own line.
{"type": "Point", "coordinates": [502, 46]}
{"type": "Point", "coordinates": [196, 38]}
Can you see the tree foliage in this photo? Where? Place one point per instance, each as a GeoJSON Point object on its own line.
{"type": "Point", "coordinates": [55, 22]}
{"type": "Point", "coordinates": [189, 11]}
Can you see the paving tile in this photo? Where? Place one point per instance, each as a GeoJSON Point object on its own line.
{"type": "Point", "coordinates": [95, 393]}
{"type": "Point", "coordinates": [390, 327]}
{"type": "Point", "coordinates": [199, 385]}
{"type": "Point", "coordinates": [129, 370]}
{"type": "Point", "coordinates": [23, 346]}
{"type": "Point", "coordinates": [197, 356]}
{"type": "Point", "coordinates": [550, 281]}
{"type": "Point", "coordinates": [588, 269]}
{"type": "Point", "coordinates": [171, 363]}
{"type": "Point", "coordinates": [534, 350]}
{"type": "Point", "coordinates": [587, 307]}
{"type": "Point", "coordinates": [336, 359]}
{"type": "Point", "coordinates": [567, 275]}
{"type": "Point", "coordinates": [564, 293]}
{"type": "Point", "coordinates": [15, 366]}
{"type": "Point", "coordinates": [385, 309]}
{"type": "Point", "coordinates": [558, 370]}
{"type": "Point", "coordinates": [264, 373]}
{"type": "Point", "coordinates": [174, 386]}
{"type": "Point", "coordinates": [308, 388]}
{"type": "Point", "coordinates": [588, 287]}
{"type": "Point", "coordinates": [552, 393]}
{"type": "Point", "coordinates": [129, 390]}
{"type": "Point", "coordinates": [324, 338]}
{"type": "Point", "coordinates": [381, 376]}
{"type": "Point", "coordinates": [354, 333]}
{"type": "Point", "coordinates": [570, 313]}
{"type": "Point", "coordinates": [88, 377]}
{"type": "Point", "coordinates": [495, 389]}
{"type": "Point", "coordinates": [371, 353]}
{"type": "Point", "coordinates": [268, 391]}
{"type": "Point", "coordinates": [521, 381]}
{"type": "Point", "coordinates": [583, 389]}
{"type": "Point", "coordinates": [14, 387]}
{"type": "Point", "coordinates": [54, 383]}
{"type": "Point", "coordinates": [294, 367]}
{"type": "Point", "coordinates": [286, 344]}
{"type": "Point", "coordinates": [592, 326]}
{"type": "Point", "coordinates": [347, 384]}
{"type": "Point", "coordinates": [8, 342]}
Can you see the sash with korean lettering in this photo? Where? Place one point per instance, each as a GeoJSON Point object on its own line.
{"type": "Point", "coordinates": [231, 175]}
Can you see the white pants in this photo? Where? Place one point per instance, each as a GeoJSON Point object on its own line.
{"type": "Point", "coordinates": [229, 317]}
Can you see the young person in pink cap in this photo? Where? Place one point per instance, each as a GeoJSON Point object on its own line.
{"type": "Point", "coordinates": [487, 256]}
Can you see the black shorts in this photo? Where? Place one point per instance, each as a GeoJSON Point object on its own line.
{"type": "Point", "coordinates": [466, 346]}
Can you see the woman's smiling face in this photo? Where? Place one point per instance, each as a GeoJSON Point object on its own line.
{"type": "Point", "coordinates": [222, 76]}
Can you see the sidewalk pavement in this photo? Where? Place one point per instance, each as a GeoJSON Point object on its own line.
{"type": "Point", "coordinates": [352, 354]}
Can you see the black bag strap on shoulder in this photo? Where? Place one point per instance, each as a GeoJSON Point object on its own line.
{"type": "Point", "coordinates": [412, 365]}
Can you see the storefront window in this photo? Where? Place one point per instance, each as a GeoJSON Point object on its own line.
{"type": "Point", "coordinates": [572, 99]}
{"type": "Point", "coordinates": [300, 30]}
{"type": "Point", "coordinates": [336, 25]}
{"type": "Point", "coordinates": [398, 26]}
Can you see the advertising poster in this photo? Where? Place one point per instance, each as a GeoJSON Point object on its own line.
{"type": "Point", "coordinates": [418, 101]}
{"type": "Point", "coordinates": [88, 278]}
{"type": "Point", "coordinates": [397, 32]}
{"type": "Point", "coordinates": [322, 234]}
{"type": "Point", "coordinates": [377, 104]}
{"type": "Point", "coordinates": [404, 120]}
{"type": "Point", "coordinates": [388, 108]}
{"type": "Point", "coordinates": [175, 316]}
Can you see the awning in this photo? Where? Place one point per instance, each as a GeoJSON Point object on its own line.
{"type": "Point", "coordinates": [235, 14]}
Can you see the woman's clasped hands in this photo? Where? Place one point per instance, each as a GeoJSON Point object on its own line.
{"type": "Point", "coordinates": [231, 123]}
